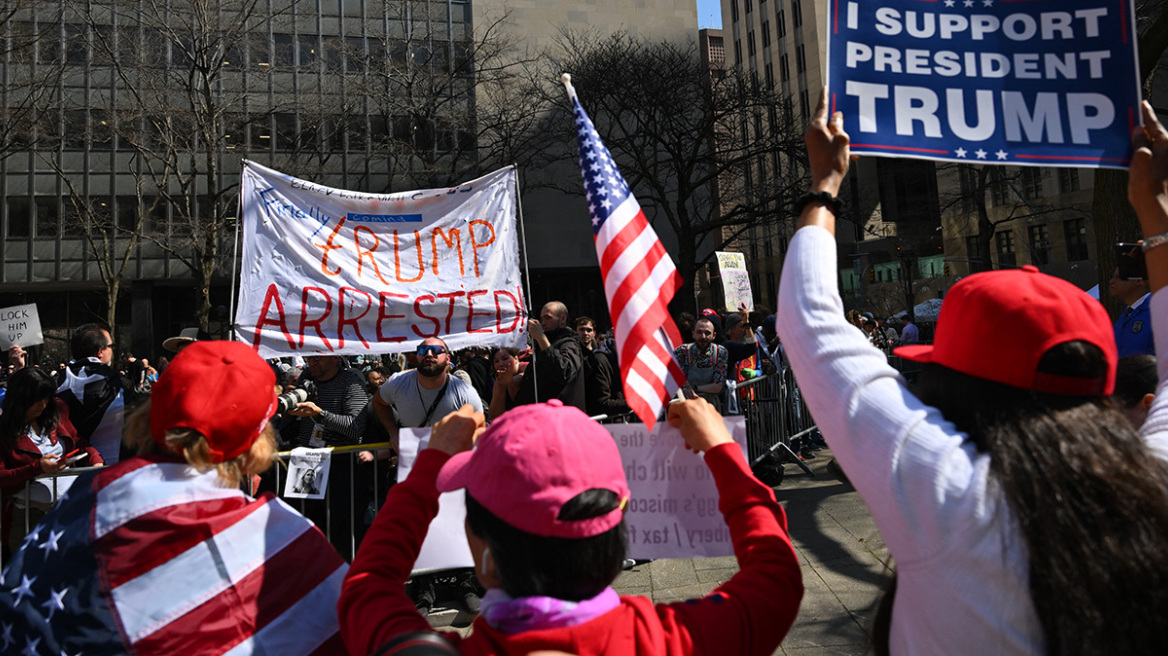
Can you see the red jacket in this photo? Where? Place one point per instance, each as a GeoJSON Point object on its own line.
{"type": "Point", "coordinates": [23, 462]}
{"type": "Point", "coordinates": [749, 614]}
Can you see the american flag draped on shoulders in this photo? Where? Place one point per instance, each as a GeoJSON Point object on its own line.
{"type": "Point", "coordinates": [639, 276]}
{"type": "Point", "coordinates": [153, 557]}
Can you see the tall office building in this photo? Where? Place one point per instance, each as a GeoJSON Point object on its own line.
{"type": "Point", "coordinates": [126, 111]}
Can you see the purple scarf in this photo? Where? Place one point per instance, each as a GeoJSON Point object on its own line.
{"type": "Point", "coordinates": [511, 616]}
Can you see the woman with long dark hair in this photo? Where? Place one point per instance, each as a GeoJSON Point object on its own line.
{"type": "Point", "coordinates": [1024, 513]}
{"type": "Point", "coordinates": [34, 437]}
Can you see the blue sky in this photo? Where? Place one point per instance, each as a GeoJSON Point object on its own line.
{"type": "Point", "coordinates": [709, 14]}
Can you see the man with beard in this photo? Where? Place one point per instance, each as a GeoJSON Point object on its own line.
{"type": "Point", "coordinates": [705, 363]}
{"type": "Point", "coordinates": [558, 360]}
{"type": "Point", "coordinates": [416, 399]}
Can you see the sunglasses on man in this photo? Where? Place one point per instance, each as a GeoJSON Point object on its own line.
{"type": "Point", "coordinates": [430, 349]}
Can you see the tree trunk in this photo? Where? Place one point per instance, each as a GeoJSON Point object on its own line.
{"type": "Point", "coordinates": [1115, 221]}
{"type": "Point", "coordinates": [683, 300]}
{"type": "Point", "coordinates": [112, 288]}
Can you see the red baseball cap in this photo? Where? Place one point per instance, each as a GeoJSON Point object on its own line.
{"type": "Point", "coordinates": [223, 390]}
{"type": "Point", "coordinates": [997, 325]}
{"type": "Point", "coordinates": [534, 459]}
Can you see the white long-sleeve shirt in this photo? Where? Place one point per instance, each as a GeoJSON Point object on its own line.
{"type": "Point", "coordinates": [962, 562]}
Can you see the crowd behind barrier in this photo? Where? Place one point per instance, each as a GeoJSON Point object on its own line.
{"type": "Point", "coordinates": [776, 417]}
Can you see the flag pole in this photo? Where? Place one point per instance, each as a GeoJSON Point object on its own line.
{"type": "Point", "coordinates": [235, 264]}
{"type": "Point", "coordinates": [526, 272]}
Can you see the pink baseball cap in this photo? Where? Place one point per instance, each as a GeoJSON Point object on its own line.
{"type": "Point", "coordinates": [534, 459]}
{"type": "Point", "coordinates": [223, 390]}
{"type": "Point", "coordinates": [997, 325]}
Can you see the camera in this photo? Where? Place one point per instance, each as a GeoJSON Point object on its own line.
{"type": "Point", "coordinates": [289, 399]}
{"type": "Point", "coordinates": [1129, 260]}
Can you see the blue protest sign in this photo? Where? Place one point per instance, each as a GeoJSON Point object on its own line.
{"type": "Point", "coordinates": [1019, 82]}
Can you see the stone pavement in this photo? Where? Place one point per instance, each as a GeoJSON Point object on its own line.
{"type": "Point", "coordinates": [843, 558]}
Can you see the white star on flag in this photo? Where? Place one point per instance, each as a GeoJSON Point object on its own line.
{"type": "Point", "coordinates": [960, 152]}
{"type": "Point", "coordinates": [50, 544]}
{"type": "Point", "coordinates": [25, 589]}
{"type": "Point", "coordinates": [981, 154]}
{"type": "Point", "coordinates": [1001, 154]}
{"type": "Point", "coordinates": [56, 601]}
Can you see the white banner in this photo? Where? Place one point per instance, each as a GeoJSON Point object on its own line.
{"type": "Point", "coordinates": [673, 506]}
{"type": "Point", "coordinates": [332, 271]}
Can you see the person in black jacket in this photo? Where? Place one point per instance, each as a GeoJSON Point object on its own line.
{"type": "Point", "coordinates": [558, 360]}
{"type": "Point", "coordinates": [603, 388]}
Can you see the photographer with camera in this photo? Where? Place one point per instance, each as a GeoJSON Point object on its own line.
{"type": "Point", "coordinates": [330, 415]}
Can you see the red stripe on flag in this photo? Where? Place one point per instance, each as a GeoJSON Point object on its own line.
{"type": "Point", "coordinates": [242, 610]}
{"type": "Point", "coordinates": [151, 540]}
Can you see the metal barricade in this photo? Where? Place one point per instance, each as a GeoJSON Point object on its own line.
{"type": "Point", "coordinates": [359, 485]}
{"type": "Point", "coordinates": [34, 499]}
{"type": "Point", "coordinates": [775, 416]}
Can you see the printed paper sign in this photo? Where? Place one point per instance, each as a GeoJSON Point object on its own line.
{"type": "Point", "coordinates": [20, 325]}
{"type": "Point", "coordinates": [308, 472]}
{"type": "Point", "coordinates": [331, 271]}
{"type": "Point", "coordinates": [445, 544]}
{"type": "Point", "coordinates": [673, 511]}
{"type": "Point", "coordinates": [673, 505]}
{"type": "Point", "coordinates": [735, 280]}
{"type": "Point", "coordinates": [1036, 83]}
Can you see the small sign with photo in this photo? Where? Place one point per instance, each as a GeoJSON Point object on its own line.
{"type": "Point", "coordinates": [308, 472]}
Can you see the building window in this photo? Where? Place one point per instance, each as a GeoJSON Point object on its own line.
{"type": "Point", "coordinates": [1068, 180]}
{"type": "Point", "coordinates": [1075, 234]}
{"type": "Point", "coordinates": [737, 52]}
{"type": "Point", "coordinates": [784, 68]}
{"type": "Point", "coordinates": [804, 104]}
{"type": "Point", "coordinates": [18, 223]}
{"type": "Point", "coordinates": [749, 6]}
{"type": "Point", "coordinates": [908, 191]}
{"type": "Point", "coordinates": [1031, 181]}
{"type": "Point", "coordinates": [999, 187]}
{"type": "Point", "coordinates": [781, 22]}
{"type": "Point", "coordinates": [797, 13]}
{"type": "Point", "coordinates": [734, 11]}
{"type": "Point", "coordinates": [47, 216]}
{"type": "Point", "coordinates": [972, 249]}
{"type": "Point", "coordinates": [1039, 245]}
{"type": "Point", "coordinates": [766, 34]}
{"type": "Point", "coordinates": [970, 182]}
{"type": "Point", "coordinates": [1006, 255]}
{"type": "Point", "coordinates": [800, 59]}
{"type": "Point", "coordinates": [750, 43]}
{"type": "Point", "coordinates": [770, 75]}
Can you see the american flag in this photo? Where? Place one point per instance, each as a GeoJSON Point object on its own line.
{"type": "Point", "coordinates": [639, 277]}
{"type": "Point", "coordinates": [152, 557]}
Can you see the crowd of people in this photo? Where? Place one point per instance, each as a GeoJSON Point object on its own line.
{"type": "Point", "coordinates": [1023, 492]}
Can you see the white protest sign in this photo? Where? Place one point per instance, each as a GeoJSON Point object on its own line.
{"type": "Point", "coordinates": [673, 506]}
{"type": "Point", "coordinates": [673, 509]}
{"type": "Point", "coordinates": [445, 544]}
{"type": "Point", "coordinates": [735, 280]}
{"type": "Point", "coordinates": [308, 473]}
{"type": "Point", "coordinates": [20, 325]}
{"type": "Point", "coordinates": [332, 271]}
